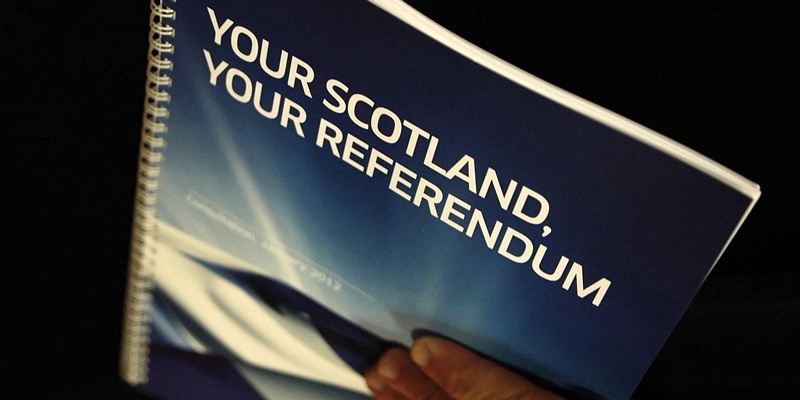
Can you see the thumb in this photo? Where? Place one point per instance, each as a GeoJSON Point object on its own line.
{"type": "Point", "coordinates": [467, 376]}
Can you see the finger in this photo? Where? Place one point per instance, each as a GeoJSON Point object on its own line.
{"type": "Point", "coordinates": [377, 384]}
{"type": "Point", "coordinates": [395, 374]}
{"type": "Point", "coordinates": [379, 388]}
{"type": "Point", "coordinates": [465, 375]}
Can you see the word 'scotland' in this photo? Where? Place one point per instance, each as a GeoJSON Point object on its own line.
{"type": "Point", "coordinates": [385, 127]}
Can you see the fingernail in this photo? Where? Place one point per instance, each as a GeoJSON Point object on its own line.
{"type": "Point", "coordinates": [375, 383]}
{"type": "Point", "coordinates": [388, 370]}
{"type": "Point", "coordinates": [421, 354]}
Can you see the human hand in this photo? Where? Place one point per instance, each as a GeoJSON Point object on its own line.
{"type": "Point", "coordinates": [438, 369]}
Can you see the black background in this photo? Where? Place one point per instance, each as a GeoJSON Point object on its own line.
{"type": "Point", "coordinates": [722, 79]}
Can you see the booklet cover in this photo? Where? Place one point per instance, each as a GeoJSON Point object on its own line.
{"type": "Point", "coordinates": [322, 180]}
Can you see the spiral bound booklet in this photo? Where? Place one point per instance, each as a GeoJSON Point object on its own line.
{"type": "Point", "coordinates": [321, 180]}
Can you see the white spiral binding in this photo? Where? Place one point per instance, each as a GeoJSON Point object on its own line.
{"type": "Point", "coordinates": [138, 298]}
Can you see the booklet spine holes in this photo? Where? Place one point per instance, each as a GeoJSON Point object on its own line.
{"type": "Point", "coordinates": [138, 297]}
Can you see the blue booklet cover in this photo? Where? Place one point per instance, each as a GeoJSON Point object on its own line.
{"type": "Point", "coordinates": [320, 181]}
